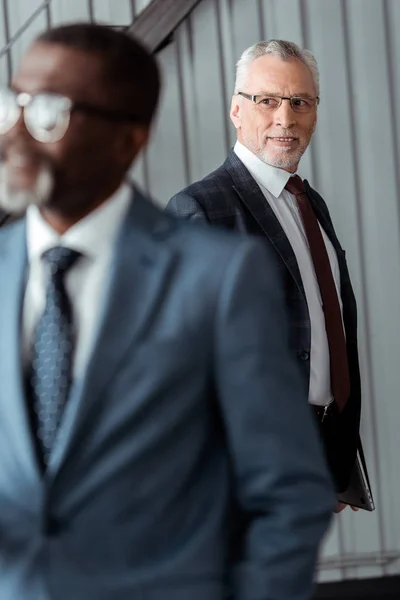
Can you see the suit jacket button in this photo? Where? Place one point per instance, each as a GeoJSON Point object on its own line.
{"type": "Point", "coordinates": [304, 355]}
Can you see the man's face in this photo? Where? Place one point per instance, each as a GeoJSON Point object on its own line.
{"type": "Point", "coordinates": [278, 137]}
{"type": "Point", "coordinates": [91, 155]}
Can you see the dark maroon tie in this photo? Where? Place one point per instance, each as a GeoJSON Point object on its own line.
{"type": "Point", "coordinates": [340, 379]}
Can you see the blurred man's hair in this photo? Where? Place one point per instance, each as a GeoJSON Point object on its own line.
{"type": "Point", "coordinates": [129, 68]}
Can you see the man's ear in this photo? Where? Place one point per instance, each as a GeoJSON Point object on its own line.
{"type": "Point", "coordinates": [134, 140]}
{"type": "Point", "coordinates": [236, 111]}
{"type": "Point", "coordinates": [140, 136]}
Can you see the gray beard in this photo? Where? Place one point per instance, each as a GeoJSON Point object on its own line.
{"type": "Point", "coordinates": [282, 162]}
{"type": "Point", "coordinates": [15, 202]}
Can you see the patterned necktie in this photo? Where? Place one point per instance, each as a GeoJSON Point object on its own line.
{"type": "Point", "coordinates": [340, 378]}
{"type": "Point", "coordinates": [52, 351]}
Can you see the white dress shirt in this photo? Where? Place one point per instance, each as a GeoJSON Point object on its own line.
{"type": "Point", "coordinates": [85, 282]}
{"type": "Point", "coordinates": [272, 181]}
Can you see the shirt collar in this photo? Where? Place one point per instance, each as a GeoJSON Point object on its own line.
{"type": "Point", "coordinates": [269, 177]}
{"type": "Point", "coordinates": [92, 236]}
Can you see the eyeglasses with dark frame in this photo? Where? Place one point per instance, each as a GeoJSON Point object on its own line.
{"type": "Point", "coordinates": [47, 115]}
{"type": "Point", "coordinates": [299, 104]}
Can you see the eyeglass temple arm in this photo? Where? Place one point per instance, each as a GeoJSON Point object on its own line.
{"type": "Point", "coordinates": [248, 96]}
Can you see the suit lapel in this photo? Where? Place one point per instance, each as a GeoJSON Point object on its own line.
{"type": "Point", "coordinates": [13, 408]}
{"type": "Point", "coordinates": [251, 195]}
{"type": "Point", "coordinates": [321, 216]}
{"type": "Point", "coordinates": [140, 272]}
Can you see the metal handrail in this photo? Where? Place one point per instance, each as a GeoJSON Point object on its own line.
{"type": "Point", "coordinates": [367, 559]}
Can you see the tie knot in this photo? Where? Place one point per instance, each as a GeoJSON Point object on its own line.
{"type": "Point", "coordinates": [60, 259]}
{"type": "Point", "coordinates": [295, 185]}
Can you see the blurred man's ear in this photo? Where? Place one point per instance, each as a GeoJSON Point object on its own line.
{"type": "Point", "coordinates": [135, 139]}
{"type": "Point", "coordinates": [140, 136]}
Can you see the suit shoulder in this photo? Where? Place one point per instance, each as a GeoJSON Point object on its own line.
{"type": "Point", "coordinates": [214, 245]}
{"type": "Point", "coordinates": [212, 185]}
{"type": "Point", "coordinates": [193, 242]}
{"type": "Point", "coordinates": [214, 196]}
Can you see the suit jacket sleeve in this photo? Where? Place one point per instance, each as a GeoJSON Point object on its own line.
{"type": "Point", "coordinates": [284, 494]}
{"type": "Point", "coordinates": [185, 206]}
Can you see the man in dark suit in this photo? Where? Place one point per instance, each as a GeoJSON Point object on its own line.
{"type": "Point", "coordinates": [145, 441]}
{"type": "Point", "coordinates": [257, 191]}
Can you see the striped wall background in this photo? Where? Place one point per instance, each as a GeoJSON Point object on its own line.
{"type": "Point", "coordinates": [353, 162]}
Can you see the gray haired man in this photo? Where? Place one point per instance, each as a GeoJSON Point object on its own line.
{"type": "Point", "coordinates": [258, 191]}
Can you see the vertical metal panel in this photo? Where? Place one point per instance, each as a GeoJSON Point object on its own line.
{"type": "Point", "coordinates": [392, 20]}
{"type": "Point", "coordinates": [227, 52]}
{"type": "Point", "coordinates": [246, 24]}
{"type": "Point", "coordinates": [91, 10]}
{"type": "Point", "coordinates": [379, 224]}
{"type": "Point", "coordinates": [208, 89]}
{"type": "Point", "coordinates": [336, 154]}
{"type": "Point", "coordinates": [114, 13]}
{"type": "Point", "coordinates": [166, 158]}
{"type": "Point", "coordinates": [5, 61]}
{"type": "Point", "coordinates": [63, 11]}
{"type": "Point", "coordinates": [190, 104]}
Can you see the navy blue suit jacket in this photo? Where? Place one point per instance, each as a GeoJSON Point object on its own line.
{"type": "Point", "coordinates": [187, 458]}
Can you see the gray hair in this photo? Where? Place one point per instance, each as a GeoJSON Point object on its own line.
{"type": "Point", "coordinates": [280, 48]}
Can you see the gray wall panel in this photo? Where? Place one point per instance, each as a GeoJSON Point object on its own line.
{"type": "Point", "coordinates": [115, 13]}
{"type": "Point", "coordinates": [208, 88]}
{"type": "Point", "coordinates": [189, 106]}
{"type": "Point", "coordinates": [392, 21]}
{"type": "Point", "coordinates": [246, 24]}
{"type": "Point", "coordinates": [166, 158]}
{"type": "Point", "coordinates": [68, 10]}
{"type": "Point", "coordinates": [4, 33]}
{"type": "Point", "coordinates": [336, 175]}
{"type": "Point", "coordinates": [19, 11]}
{"type": "Point", "coordinates": [227, 49]}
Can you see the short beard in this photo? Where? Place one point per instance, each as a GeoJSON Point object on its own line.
{"type": "Point", "coordinates": [282, 162]}
{"type": "Point", "coordinates": [15, 202]}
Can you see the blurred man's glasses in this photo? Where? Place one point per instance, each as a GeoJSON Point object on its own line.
{"type": "Point", "coordinates": [47, 115]}
{"type": "Point", "coordinates": [299, 104]}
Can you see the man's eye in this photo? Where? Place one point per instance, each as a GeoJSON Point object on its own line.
{"type": "Point", "coordinates": [300, 102]}
{"type": "Point", "coordinates": [269, 101]}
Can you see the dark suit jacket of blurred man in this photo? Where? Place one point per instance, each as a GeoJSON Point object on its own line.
{"type": "Point", "coordinates": [187, 458]}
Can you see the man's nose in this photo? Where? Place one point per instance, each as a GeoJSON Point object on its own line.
{"type": "Point", "coordinates": [284, 116]}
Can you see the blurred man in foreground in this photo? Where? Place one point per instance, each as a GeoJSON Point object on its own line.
{"type": "Point", "coordinates": [145, 440]}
